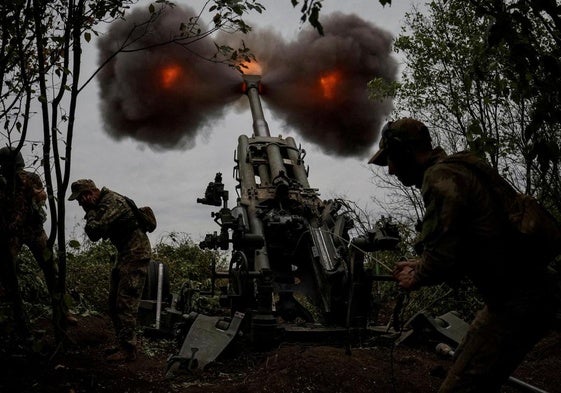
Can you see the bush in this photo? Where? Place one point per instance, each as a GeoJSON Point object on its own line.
{"type": "Point", "coordinates": [36, 299]}
{"type": "Point", "coordinates": [89, 267]}
{"type": "Point", "coordinates": [88, 271]}
{"type": "Point", "coordinates": [186, 261]}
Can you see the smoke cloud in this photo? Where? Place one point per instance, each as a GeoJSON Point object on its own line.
{"type": "Point", "coordinates": [320, 86]}
{"type": "Point", "coordinates": [161, 94]}
{"type": "Point", "coordinates": [314, 84]}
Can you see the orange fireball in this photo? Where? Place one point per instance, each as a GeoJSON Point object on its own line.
{"type": "Point", "coordinates": [170, 75]}
{"type": "Point", "coordinates": [328, 84]}
{"type": "Point", "coordinates": [251, 68]}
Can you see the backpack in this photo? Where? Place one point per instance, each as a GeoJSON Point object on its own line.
{"type": "Point", "coordinates": [144, 216]}
{"type": "Point", "coordinates": [535, 230]}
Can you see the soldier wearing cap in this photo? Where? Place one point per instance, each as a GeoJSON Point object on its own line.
{"type": "Point", "coordinates": [463, 234]}
{"type": "Point", "coordinates": [22, 200]}
{"type": "Point", "coordinates": [109, 216]}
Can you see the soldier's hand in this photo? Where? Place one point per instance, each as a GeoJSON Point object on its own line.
{"type": "Point", "coordinates": [409, 263]}
{"type": "Point", "coordinates": [404, 273]}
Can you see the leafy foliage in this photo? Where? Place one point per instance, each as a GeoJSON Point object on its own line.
{"type": "Point", "coordinates": [185, 260]}
{"type": "Point", "coordinates": [455, 83]}
{"type": "Point", "coordinates": [463, 88]}
{"type": "Point", "coordinates": [472, 75]}
{"type": "Point", "coordinates": [310, 12]}
{"type": "Point", "coordinates": [530, 33]}
{"type": "Point", "coordinates": [33, 289]}
{"type": "Point", "coordinates": [89, 267]}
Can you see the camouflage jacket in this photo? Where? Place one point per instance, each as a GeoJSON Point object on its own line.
{"type": "Point", "coordinates": [22, 204]}
{"type": "Point", "coordinates": [464, 234]}
{"type": "Point", "coordinates": [113, 219]}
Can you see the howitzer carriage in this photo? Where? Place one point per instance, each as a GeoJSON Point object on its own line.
{"type": "Point", "coordinates": [287, 245]}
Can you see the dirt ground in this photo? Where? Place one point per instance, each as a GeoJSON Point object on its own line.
{"type": "Point", "coordinates": [289, 367]}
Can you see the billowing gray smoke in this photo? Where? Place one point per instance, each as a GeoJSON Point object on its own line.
{"type": "Point", "coordinates": [161, 94]}
{"type": "Point", "coordinates": [315, 84]}
{"type": "Point", "coordinates": [319, 86]}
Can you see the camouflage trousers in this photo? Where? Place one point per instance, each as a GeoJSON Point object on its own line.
{"type": "Point", "coordinates": [127, 284]}
{"type": "Point", "coordinates": [494, 346]}
{"type": "Point", "coordinates": [10, 247]}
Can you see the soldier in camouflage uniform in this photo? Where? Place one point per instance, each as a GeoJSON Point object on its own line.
{"type": "Point", "coordinates": [464, 234]}
{"type": "Point", "coordinates": [22, 200]}
{"type": "Point", "coordinates": [109, 216]}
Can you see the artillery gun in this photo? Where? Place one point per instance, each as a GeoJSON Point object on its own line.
{"type": "Point", "coordinates": [288, 245]}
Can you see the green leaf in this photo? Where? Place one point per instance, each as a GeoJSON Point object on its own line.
{"type": "Point", "coordinates": [314, 19]}
{"type": "Point", "coordinates": [75, 244]}
{"type": "Point", "coordinates": [87, 36]}
{"type": "Point", "coordinates": [238, 10]}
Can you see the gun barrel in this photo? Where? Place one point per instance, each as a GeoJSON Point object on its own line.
{"type": "Point", "coordinates": [260, 126]}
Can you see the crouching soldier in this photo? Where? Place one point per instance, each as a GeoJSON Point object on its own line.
{"type": "Point", "coordinates": [466, 233]}
{"type": "Point", "coordinates": [110, 216]}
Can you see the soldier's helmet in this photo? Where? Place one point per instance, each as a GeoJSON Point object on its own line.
{"type": "Point", "coordinates": [401, 134]}
{"type": "Point", "coordinates": [11, 159]}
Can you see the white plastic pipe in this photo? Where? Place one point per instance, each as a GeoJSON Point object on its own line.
{"type": "Point", "coordinates": [159, 296]}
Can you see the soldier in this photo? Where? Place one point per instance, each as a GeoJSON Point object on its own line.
{"type": "Point", "coordinates": [22, 200]}
{"type": "Point", "coordinates": [464, 234]}
{"type": "Point", "coordinates": [109, 216]}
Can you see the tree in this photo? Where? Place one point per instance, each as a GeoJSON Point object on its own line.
{"type": "Point", "coordinates": [40, 64]}
{"type": "Point", "coordinates": [530, 32]}
{"type": "Point", "coordinates": [36, 48]}
{"type": "Point", "coordinates": [461, 87]}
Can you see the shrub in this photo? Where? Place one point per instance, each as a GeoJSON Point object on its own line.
{"type": "Point", "coordinates": [88, 271]}
{"type": "Point", "coordinates": [186, 261]}
{"type": "Point", "coordinates": [89, 268]}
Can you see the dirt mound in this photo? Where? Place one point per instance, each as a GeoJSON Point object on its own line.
{"type": "Point", "coordinates": [290, 368]}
